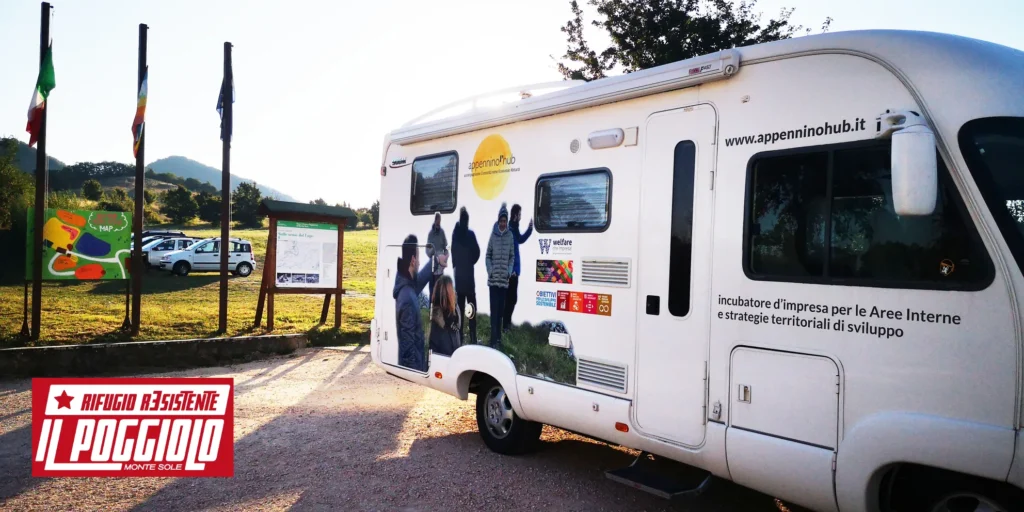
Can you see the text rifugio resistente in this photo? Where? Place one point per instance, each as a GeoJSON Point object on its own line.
{"type": "Point", "coordinates": [829, 322]}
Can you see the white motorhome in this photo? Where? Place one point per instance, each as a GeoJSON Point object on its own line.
{"type": "Point", "coordinates": [795, 265]}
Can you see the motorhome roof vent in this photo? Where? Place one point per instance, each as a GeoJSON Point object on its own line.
{"type": "Point", "coordinates": [605, 272]}
{"type": "Point", "coordinates": [602, 374]}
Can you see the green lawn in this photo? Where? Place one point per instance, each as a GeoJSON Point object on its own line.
{"type": "Point", "coordinates": [186, 307]}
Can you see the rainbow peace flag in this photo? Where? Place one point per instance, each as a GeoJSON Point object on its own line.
{"type": "Point", "coordinates": [140, 112]}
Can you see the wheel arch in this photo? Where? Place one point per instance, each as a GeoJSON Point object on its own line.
{"type": "Point", "coordinates": [882, 442]}
{"type": "Point", "coordinates": [472, 362]}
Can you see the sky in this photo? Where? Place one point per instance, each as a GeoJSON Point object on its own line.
{"type": "Point", "coordinates": [318, 86]}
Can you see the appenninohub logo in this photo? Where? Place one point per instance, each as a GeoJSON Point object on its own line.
{"type": "Point", "coordinates": [167, 427]}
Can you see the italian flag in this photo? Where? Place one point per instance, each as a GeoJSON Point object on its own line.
{"type": "Point", "coordinates": [45, 82]}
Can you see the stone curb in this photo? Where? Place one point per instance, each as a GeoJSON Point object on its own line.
{"type": "Point", "coordinates": [140, 356]}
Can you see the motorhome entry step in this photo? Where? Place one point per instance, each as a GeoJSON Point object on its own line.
{"type": "Point", "coordinates": [662, 477]}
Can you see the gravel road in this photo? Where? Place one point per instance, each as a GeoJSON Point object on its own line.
{"type": "Point", "coordinates": [325, 429]}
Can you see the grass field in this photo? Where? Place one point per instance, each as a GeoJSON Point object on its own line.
{"type": "Point", "coordinates": [186, 307]}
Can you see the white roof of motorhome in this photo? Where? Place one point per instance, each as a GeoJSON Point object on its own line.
{"type": "Point", "coordinates": [898, 50]}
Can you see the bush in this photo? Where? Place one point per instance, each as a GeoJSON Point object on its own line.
{"type": "Point", "coordinates": [64, 200]}
{"type": "Point", "coordinates": [92, 190]}
{"type": "Point", "coordinates": [152, 217]}
{"type": "Point", "coordinates": [117, 201]}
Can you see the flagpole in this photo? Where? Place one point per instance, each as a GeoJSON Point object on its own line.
{"type": "Point", "coordinates": [41, 185]}
{"type": "Point", "coordinates": [140, 197]}
{"type": "Point", "coordinates": [225, 187]}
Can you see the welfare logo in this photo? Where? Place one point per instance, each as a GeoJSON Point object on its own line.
{"type": "Point", "coordinates": [126, 427]}
{"type": "Point", "coordinates": [545, 245]}
{"type": "Point", "coordinates": [555, 246]}
{"type": "Point", "coordinates": [491, 165]}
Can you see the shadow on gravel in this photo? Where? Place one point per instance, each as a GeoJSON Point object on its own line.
{"type": "Point", "coordinates": [309, 460]}
{"type": "Point", "coordinates": [16, 463]}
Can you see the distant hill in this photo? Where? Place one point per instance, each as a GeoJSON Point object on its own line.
{"type": "Point", "coordinates": [188, 168]}
{"type": "Point", "coordinates": [25, 159]}
{"type": "Point", "coordinates": [182, 167]}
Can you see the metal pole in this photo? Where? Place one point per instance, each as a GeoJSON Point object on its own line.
{"type": "Point", "coordinates": [225, 189]}
{"type": "Point", "coordinates": [140, 196]}
{"type": "Point", "coordinates": [24, 323]}
{"type": "Point", "coordinates": [41, 185]}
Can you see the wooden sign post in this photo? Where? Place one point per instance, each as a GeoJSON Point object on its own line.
{"type": "Point", "coordinates": [308, 230]}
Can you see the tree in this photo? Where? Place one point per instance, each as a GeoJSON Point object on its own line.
{"type": "Point", "coordinates": [92, 190]}
{"type": "Point", "coordinates": [209, 207]}
{"type": "Point", "coordinates": [319, 202]}
{"type": "Point", "coordinates": [180, 206]}
{"type": "Point", "coordinates": [117, 201]}
{"type": "Point", "coordinates": [17, 190]}
{"type": "Point", "coordinates": [149, 196]}
{"type": "Point", "coordinates": [375, 212]}
{"type": "Point", "coordinates": [366, 220]}
{"type": "Point", "coordinates": [244, 204]}
{"type": "Point", "coordinates": [648, 33]}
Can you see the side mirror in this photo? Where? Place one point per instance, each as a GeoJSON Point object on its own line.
{"type": "Point", "coordinates": [914, 165]}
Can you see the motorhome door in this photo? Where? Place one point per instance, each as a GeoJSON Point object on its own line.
{"type": "Point", "coordinates": [675, 273]}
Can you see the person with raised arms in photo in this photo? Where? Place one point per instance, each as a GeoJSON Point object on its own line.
{"type": "Point", "coordinates": [513, 283]}
{"type": "Point", "coordinates": [437, 244]}
{"type": "Point", "coordinates": [408, 284]}
{"type": "Point", "coordinates": [500, 260]}
{"type": "Point", "coordinates": [445, 324]}
{"type": "Point", "coordinates": [465, 255]}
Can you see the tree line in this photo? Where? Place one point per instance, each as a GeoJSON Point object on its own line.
{"type": "Point", "coordinates": [365, 217]}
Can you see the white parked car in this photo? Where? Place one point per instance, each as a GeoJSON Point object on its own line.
{"type": "Point", "coordinates": [204, 256]}
{"type": "Point", "coordinates": [157, 248]}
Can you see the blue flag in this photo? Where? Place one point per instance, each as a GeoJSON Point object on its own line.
{"type": "Point", "coordinates": [220, 107]}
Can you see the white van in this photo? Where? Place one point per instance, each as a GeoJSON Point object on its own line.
{"type": "Point", "coordinates": [204, 256]}
{"type": "Point", "coordinates": [795, 265]}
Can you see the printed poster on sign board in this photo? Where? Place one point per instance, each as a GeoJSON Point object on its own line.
{"type": "Point", "coordinates": [82, 245]}
{"type": "Point", "coordinates": [307, 255]}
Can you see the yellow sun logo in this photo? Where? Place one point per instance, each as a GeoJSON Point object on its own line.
{"type": "Point", "coordinates": [491, 166]}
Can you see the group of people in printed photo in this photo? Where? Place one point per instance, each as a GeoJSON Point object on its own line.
{"type": "Point", "coordinates": [449, 298]}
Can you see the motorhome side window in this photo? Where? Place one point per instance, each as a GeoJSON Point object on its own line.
{"type": "Point", "coordinates": [577, 201]}
{"type": "Point", "coordinates": [681, 245]}
{"type": "Point", "coordinates": [827, 216]}
{"type": "Point", "coordinates": [434, 184]}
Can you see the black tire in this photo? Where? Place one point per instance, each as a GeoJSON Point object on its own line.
{"type": "Point", "coordinates": [182, 268]}
{"type": "Point", "coordinates": [929, 490]}
{"type": "Point", "coordinates": [502, 430]}
{"type": "Point", "coordinates": [243, 269]}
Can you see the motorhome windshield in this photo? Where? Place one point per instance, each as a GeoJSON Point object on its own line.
{"type": "Point", "coordinates": [994, 150]}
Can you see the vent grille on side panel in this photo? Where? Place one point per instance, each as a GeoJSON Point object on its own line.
{"type": "Point", "coordinates": [605, 272]}
{"type": "Point", "coordinates": [605, 375]}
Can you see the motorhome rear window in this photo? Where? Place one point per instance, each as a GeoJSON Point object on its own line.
{"type": "Point", "coordinates": [573, 202]}
{"type": "Point", "coordinates": [826, 215]}
{"type": "Point", "coordinates": [434, 184]}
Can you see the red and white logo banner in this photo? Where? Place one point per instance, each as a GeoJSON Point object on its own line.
{"type": "Point", "coordinates": [169, 427]}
